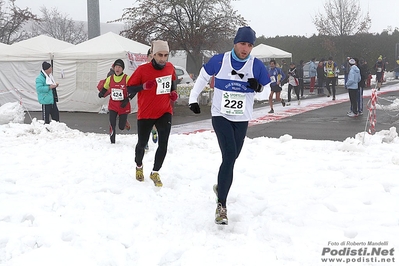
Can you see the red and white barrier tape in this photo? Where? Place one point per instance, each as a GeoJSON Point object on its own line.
{"type": "Point", "coordinates": [371, 106]}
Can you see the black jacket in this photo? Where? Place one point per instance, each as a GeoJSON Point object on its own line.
{"type": "Point", "coordinates": [320, 72]}
{"type": "Point", "coordinates": [364, 73]}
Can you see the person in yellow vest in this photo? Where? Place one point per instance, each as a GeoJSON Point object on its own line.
{"type": "Point", "coordinates": [331, 70]}
{"type": "Point", "coordinates": [397, 69]}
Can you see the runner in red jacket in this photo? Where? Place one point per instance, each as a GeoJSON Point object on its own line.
{"type": "Point", "coordinates": [155, 85]}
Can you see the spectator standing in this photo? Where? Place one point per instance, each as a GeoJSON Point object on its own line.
{"type": "Point", "coordinates": [321, 76]}
{"type": "Point", "coordinates": [119, 101]}
{"type": "Point", "coordinates": [155, 85]}
{"type": "Point", "coordinates": [364, 73]}
{"type": "Point", "coordinates": [379, 68]}
{"type": "Point", "coordinates": [369, 77]}
{"type": "Point", "coordinates": [330, 67]}
{"type": "Point", "coordinates": [293, 82]}
{"type": "Point", "coordinates": [276, 76]}
{"type": "Point", "coordinates": [312, 74]}
{"type": "Point", "coordinates": [46, 89]}
{"type": "Point", "coordinates": [353, 87]}
{"type": "Point", "coordinates": [284, 67]}
{"type": "Point", "coordinates": [238, 75]}
{"type": "Point", "coordinates": [397, 69]}
{"type": "Point", "coordinates": [346, 67]}
{"type": "Point", "coordinates": [299, 69]}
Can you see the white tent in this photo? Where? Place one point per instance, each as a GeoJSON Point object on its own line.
{"type": "Point", "coordinates": [78, 70]}
{"type": "Point", "coordinates": [45, 44]}
{"type": "Point", "coordinates": [20, 64]}
{"type": "Point", "coordinates": [263, 51]}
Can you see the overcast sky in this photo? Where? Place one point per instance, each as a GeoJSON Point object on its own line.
{"type": "Point", "coordinates": [268, 18]}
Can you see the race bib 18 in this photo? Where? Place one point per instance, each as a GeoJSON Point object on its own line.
{"type": "Point", "coordinates": [164, 84]}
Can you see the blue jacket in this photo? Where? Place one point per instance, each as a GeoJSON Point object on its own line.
{"type": "Point", "coordinates": [354, 78]}
{"type": "Point", "coordinates": [312, 69]}
{"type": "Point", "coordinates": [44, 93]}
{"type": "Point", "coordinates": [274, 75]}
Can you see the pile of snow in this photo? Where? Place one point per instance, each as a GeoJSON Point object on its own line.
{"type": "Point", "coordinates": [11, 112]}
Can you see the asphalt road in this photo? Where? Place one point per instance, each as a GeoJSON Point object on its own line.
{"type": "Point", "coordinates": [328, 123]}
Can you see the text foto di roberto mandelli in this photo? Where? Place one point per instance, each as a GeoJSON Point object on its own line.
{"type": "Point", "coordinates": [355, 243]}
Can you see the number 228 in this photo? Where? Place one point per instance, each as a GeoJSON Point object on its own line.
{"type": "Point", "coordinates": [233, 104]}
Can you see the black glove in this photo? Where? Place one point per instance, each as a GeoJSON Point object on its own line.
{"type": "Point", "coordinates": [102, 93]}
{"type": "Point", "coordinates": [131, 95]}
{"type": "Point", "coordinates": [124, 102]}
{"type": "Point", "coordinates": [195, 108]}
{"type": "Point", "coordinates": [254, 84]}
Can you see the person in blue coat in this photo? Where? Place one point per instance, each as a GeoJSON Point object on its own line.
{"type": "Point", "coordinates": [312, 74]}
{"type": "Point", "coordinates": [352, 84]}
{"type": "Point", "coordinates": [47, 93]}
{"type": "Point", "coordinates": [238, 76]}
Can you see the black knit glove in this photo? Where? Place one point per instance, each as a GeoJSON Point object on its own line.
{"type": "Point", "coordinates": [254, 84]}
{"type": "Point", "coordinates": [124, 102]}
{"type": "Point", "coordinates": [102, 93]}
{"type": "Point", "coordinates": [195, 108]}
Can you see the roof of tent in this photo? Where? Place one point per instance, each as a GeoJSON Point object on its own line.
{"type": "Point", "coordinates": [34, 49]}
{"type": "Point", "coordinates": [17, 53]}
{"type": "Point", "coordinates": [106, 46]}
{"type": "Point", "coordinates": [44, 43]}
{"type": "Point", "coordinates": [266, 51]}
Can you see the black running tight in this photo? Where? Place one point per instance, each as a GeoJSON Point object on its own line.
{"type": "Point", "coordinates": [231, 137]}
{"type": "Point", "coordinates": [144, 127]}
{"type": "Point", "coordinates": [112, 121]}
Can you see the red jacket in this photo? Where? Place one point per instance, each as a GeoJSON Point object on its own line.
{"type": "Point", "coordinates": [155, 101]}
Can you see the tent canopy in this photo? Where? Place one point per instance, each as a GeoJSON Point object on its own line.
{"type": "Point", "coordinates": [267, 51]}
{"type": "Point", "coordinates": [44, 43]}
{"type": "Point", "coordinates": [13, 53]}
{"type": "Point", "coordinates": [106, 46]}
{"type": "Point", "coordinates": [38, 48]}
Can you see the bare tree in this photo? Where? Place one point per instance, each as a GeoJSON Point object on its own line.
{"type": "Point", "coordinates": [342, 18]}
{"type": "Point", "coordinates": [189, 25]}
{"type": "Point", "coordinates": [12, 20]}
{"type": "Point", "coordinates": [59, 26]}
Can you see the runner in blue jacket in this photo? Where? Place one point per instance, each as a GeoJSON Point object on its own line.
{"type": "Point", "coordinates": [276, 76]}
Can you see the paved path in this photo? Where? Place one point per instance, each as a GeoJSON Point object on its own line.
{"type": "Point", "coordinates": [316, 118]}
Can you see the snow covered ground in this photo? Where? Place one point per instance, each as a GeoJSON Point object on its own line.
{"type": "Point", "coordinates": [71, 198]}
